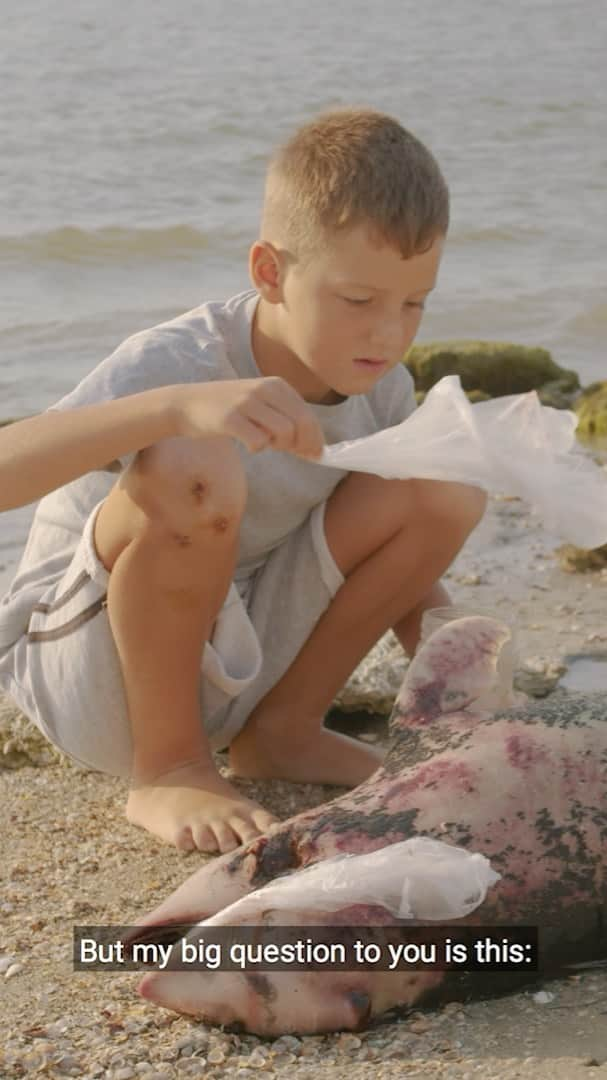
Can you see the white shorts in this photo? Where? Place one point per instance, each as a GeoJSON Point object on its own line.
{"type": "Point", "coordinates": [64, 671]}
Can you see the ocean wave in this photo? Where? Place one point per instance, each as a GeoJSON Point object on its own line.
{"type": "Point", "coordinates": [87, 326]}
{"type": "Point", "coordinates": [591, 320]}
{"type": "Point", "coordinates": [70, 243]}
{"type": "Point", "coordinates": [492, 234]}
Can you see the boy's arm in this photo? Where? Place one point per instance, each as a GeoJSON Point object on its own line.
{"type": "Point", "coordinates": [47, 451]}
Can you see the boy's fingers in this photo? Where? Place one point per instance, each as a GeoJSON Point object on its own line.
{"type": "Point", "coordinates": [257, 434]}
{"type": "Point", "coordinates": [308, 438]}
{"type": "Point", "coordinates": [280, 427]}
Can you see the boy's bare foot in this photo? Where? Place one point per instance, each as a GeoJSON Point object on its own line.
{"type": "Point", "coordinates": [194, 807]}
{"type": "Point", "coordinates": [320, 757]}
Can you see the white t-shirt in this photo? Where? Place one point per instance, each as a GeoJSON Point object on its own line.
{"type": "Point", "coordinates": [210, 342]}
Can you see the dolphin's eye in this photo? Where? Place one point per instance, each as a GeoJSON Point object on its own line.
{"type": "Point", "coordinates": [361, 1003]}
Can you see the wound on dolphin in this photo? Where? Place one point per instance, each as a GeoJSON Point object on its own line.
{"type": "Point", "coordinates": [274, 854]}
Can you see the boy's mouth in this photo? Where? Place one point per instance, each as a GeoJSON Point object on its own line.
{"type": "Point", "coordinates": [368, 362]}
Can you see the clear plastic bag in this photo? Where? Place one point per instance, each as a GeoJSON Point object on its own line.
{"type": "Point", "coordinates": [514, 445]}
{"type": "Point", "coordinates": [420, 878]}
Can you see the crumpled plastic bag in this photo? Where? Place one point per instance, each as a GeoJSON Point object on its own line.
{"type": "Point", "coordinates": [420, 878]}
{"type": "Point", "coordinates": [513, 445]}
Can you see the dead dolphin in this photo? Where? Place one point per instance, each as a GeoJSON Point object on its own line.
{"type": "Point", "coordinates": [522, 782]}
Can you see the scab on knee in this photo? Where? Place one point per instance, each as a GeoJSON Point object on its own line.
{"type": "Point", "coordinates": [219, 524]}
{"type": "Point", "coordinates": [189, 489]}
{"type": "Point", "coordinates": [199, 490]}
{"type": "Point", "coordinates": [182, 540]}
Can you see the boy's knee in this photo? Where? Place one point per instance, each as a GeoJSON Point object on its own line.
{"type": "Point", "coordinates": [189, 486]}
{"type": "Point", "coordinates": [456, 506]}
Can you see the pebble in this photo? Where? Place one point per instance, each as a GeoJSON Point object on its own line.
{"type": "Point", "coordinates": [349, 1043]}
{"type": "Point", "coordinates": [257, 1059]}
{"type": "Point", "coordinates": [288, 1043]}
{"type": "Point", "coordinates": [13, 969]}
{"type": "Point", "coordinates": [419, 1027]}
{"type": "Point", "coordinates": [280, 1060]}
{"type": "Point", "coordinates": [192, 1066]}
{"type": "Point", "coordinates": [68, 1065]}
{"type": "Point", "coordinates": [216, 1056]}
{"type": "Point", "coordinates": [5, 963]}
{"type": "Point", "coordinates": [543, 997]}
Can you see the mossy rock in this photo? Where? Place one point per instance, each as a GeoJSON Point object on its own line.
{"type": "Point", "coordinates": [591, 407]}
{"type": "Point", "coordinates": [582, 560]}
{"type": "Point", "coordinates": [490, 369]}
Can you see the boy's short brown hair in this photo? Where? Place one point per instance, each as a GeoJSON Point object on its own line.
{"type": "Point", "coordinates": [349, 167]}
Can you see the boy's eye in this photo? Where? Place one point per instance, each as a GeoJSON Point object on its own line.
{"type": "Point", "coordinates": [420, 304]}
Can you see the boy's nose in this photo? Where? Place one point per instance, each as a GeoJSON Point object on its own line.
{"type": "Point", "coordinates": [389, 341]}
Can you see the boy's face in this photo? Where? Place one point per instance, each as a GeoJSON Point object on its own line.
{"type": "Point", "coordinates": [341, 321]}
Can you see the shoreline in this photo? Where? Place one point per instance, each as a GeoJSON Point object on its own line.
{"type": "Point", "coordinates": [67, 847]}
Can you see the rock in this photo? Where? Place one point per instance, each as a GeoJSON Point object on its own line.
{"type": "Point", "coordinates": [492, 369]}
{"type": "Point", "coordinates": [591, 407]}
{"type": "Point", "coordinates": [21, 743]}
{"type": "Point", "coordinates": [287, 1044]}
{"type": "Point", "coordinates": [216, 1056]}
{"type": "Point", "coordinates": [581, 560]}
{"type": "Point", "coordinates": [13, 970]}
{"type": "Point", "coordinates": [543, 997]}
{"type": "Point", "coordinates": [377, 679]}
{"type": "Point", "coordinates": [537, 677]}
{"type": "Point", "coordinates": [349, 1042]}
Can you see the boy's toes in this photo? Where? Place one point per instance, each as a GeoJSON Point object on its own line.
{"type": "Point", "coordinates": [246, 830]}
{"type": "Point", "coordinates": [227, 838]}
{"type": "Point", "coordinates": [183, 839]}
{"type": "Point", "coordinates": [264, 820]}
{"type": "Point", "coordinates": [205, 839]}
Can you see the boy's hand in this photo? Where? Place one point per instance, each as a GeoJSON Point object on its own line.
{"type": "Point", "coordinates": [192, 806]}
{"type": "Point", "coordinates": [260, 413]}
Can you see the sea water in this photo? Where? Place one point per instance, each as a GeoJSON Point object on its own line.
{"type": "Point", "coordinates": [134, 139]}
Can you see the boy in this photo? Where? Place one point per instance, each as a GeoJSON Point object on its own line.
{"type": "Point", "coordinates": [222, 589]}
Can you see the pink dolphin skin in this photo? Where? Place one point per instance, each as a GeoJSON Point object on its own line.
{"type": "Point", "coordinates": [522, 782]}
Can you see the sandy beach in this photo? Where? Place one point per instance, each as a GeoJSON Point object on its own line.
{"type": "Point", "coordinates": [70, 857]}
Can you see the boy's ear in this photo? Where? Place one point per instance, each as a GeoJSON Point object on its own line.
{"type": "Point", "coordinates": [266, 270]}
